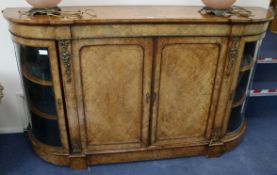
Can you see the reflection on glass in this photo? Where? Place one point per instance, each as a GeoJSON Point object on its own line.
{"type": "Point", "coordinates": [35, 62]}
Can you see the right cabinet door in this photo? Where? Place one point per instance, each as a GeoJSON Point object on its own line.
{"type": "Point", "coordinates": [188, 74]}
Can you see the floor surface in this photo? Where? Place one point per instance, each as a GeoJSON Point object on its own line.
{"type": "Point", "coordinates": [256, 155]}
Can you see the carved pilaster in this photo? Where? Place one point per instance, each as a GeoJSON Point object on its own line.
{"type": "Point", "coordinates": [233, 54]}
{"type": "Point", "coordinates": [65, 55]}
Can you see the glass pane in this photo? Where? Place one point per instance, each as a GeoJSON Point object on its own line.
{"type": "Point", "coordinates": [242, 85]}
{"type": "Point", "coordinates": [41, 97]}
{"type": "Point", "coordinates": [249, 49]}
{"type": "Point", "coordinates": [236, 119]}
{"type": "Point", "coordinates": [37, 79]}
{"type": "Point", "coordinates": [45, 130]}
{"type": "Point", "coordinates": [265, 76]}
{"type": "Point", "coordinates": [247, 59]}
{"type": "Point", "coordinates": [237, 115]}
{"type": "Point", "coordinates": [35, 61]}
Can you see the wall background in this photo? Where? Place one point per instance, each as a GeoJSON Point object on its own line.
{"type": "Point", "coordinates": [13, 117]}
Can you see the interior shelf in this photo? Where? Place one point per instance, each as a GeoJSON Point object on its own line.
{"type": "Point", "coordinates": [42, 97]}
{"type": "Point", "coordinates": [247, 63]}
{"type": "Point", "coordinates": [265, 81]}
{"type": "Point", "coordinates": [268, 48]}
{"type": "Point", "coordinates": [263, 92]}
{"type": "Point", "coordinates": [267, 60]}
{"type": "Point", "coordinates": [240, 100]}
{"type": "Point", "coordinates": [259, 85]}
{"type": "Point", "coordinates": [46, 131]}
{"type": "Point", "coordinates": [240, 95]}
{"type": "Point", "coordinates": [42, 114]}
{"type": "Point", "coordinates": [34, 79]}
{"type": "Point", "coordinates": [261, 106]}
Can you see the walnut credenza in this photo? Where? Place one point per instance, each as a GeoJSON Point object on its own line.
{"type": "Point", "coordinates": [135, 83]}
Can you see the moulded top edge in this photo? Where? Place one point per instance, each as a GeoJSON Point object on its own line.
{"type": "Point", "coordinates": [136, 14]}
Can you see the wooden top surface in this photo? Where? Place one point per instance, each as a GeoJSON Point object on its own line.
{"type": "Point", "coordinates": [136, 14]}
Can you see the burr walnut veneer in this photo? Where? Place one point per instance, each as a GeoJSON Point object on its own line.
{"type": "Point", "coordinates": [135, 83]}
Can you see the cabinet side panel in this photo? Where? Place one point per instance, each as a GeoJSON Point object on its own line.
{"type": "Point", "coordinates": [112, 78]}
{"type": "Point", "coordinates": [186, 86]}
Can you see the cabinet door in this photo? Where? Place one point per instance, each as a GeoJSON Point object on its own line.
{"type": "Point", "coordinates": [115, 82]}
{"type": "Point", "coordinates": [188, 72]}
{"type": "Point", "coordinates": [38, 65]}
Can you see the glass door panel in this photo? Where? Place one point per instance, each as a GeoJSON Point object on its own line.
{"type": "Point", "coordinates": [237, 113]}
{"type": "Point", "coordinates": [37, 79]}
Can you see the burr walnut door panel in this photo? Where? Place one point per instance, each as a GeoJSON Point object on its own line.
{"type": "Point", "coordinates": [187, 76]}
{"type": "Point", "coordinates": [115, 84]}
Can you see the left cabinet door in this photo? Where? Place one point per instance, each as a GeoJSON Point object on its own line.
{"type": "Point", "coordinates": [113, 82]}
{"type": "Point", "coordinates": [38, 64]}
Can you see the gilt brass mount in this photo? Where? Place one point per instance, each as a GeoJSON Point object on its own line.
{"type": "Point", "coordinates": [233, 54]}
{"type": "Point", "coordinates": [65, 56]}
{"type": "Point", "coordinates": [1, 92]}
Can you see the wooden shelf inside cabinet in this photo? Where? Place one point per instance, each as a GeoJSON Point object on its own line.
{"type": "Point", "coordinates": [267, 61]}
{"type": "Point", "coordinates": [263, 92]}
{"type": "Point", "coordinates": [42, 114]}
{"type": "Point", "coordinates": [247, 67]}
{"type": "Point", "coordinates": [240, 101]}
{"type": "Point", "coordinates": [34, 79]}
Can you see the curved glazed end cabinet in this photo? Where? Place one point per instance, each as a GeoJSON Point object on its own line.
{"type": "Point", "coordinates": [135, 83]}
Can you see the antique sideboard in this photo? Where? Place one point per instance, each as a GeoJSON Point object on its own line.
{"type": "Point", "coordinates": [135, 83]}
